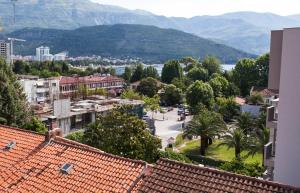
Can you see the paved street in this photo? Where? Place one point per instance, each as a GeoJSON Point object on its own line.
{"type": "Point", "coordinates": [167, 126]}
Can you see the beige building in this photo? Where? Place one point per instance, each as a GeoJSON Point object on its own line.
{"type": "Point", "coordinates": [5, 51]}
{"type": "Point", "coordinates": [282, 154]}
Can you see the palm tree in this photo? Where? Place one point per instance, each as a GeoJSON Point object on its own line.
{"type": "Point", "coordinates": [235, 138]}
{"type": "Point", "coordinates": [255, 99]}
{"type": "Point", "coordinates": [245, 122]}
{"type": "Point", "coordinates": [207, 125]}
{"type": "Point", "coordinates": [258, 140]}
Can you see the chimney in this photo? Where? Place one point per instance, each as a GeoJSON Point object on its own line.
{"type": "Point", "coordinates": [53, 131]}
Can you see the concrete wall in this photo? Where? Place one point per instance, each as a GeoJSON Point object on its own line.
{"type": "Point", "coordinates": [287, 153]}
{"type": "Point", "coordinates": [254, 110]}
{"type": "Point", "coordinates": [275, 59]}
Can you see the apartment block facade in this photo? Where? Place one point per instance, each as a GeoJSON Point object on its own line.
{"type": "Point", "coordinates": [5, 51]}
{"type": "Point", "coordinates": [282, 153]}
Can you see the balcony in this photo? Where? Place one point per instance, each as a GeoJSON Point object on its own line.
{"type": "Point", "coordinates": [272, 117]}
{"type": "Point", "coordinates": [268, 155]}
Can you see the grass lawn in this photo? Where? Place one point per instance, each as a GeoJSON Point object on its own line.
{"type": "Point", "coordinates": [221, 153]}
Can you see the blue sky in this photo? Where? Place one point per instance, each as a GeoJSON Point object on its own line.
{"type": "Point", "coordinates": [189, 8]}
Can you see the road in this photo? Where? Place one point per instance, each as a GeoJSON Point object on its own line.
{"type": "Point", "coordinates": [168, 126]}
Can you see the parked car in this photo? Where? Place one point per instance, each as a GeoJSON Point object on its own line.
{"type": "Point", "coordinates": [170, 109]}
{"type": "Point", "coordinates": [180, 111]}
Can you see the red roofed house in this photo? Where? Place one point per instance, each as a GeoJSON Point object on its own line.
{"type": "Point", "coordinates": [267, 94]}
{"type": "Point", "coordinates": [31, 162]}
{"type": "Point", "coordinates": [69, 85]}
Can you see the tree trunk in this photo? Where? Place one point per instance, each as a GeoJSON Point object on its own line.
{"type": "Point", "coordinates": [237, 153]}
{"type": "Point", "coordinates": [203, 145]}
{"type": "Point", "coordinates": [263, 157]}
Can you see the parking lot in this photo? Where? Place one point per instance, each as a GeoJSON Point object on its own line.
{"type": "Point", "coordinates": [167, 125]}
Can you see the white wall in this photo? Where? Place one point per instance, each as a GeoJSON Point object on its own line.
{"type": "Point", "coordinates": [254, 110]}
{"type": "Point", "coordinates": [287, 153]}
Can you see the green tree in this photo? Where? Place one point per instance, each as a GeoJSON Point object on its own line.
{"type": "Point", "coordinates": [235, 138]}
{"type": "Point", "coordinates": [152, 104]}
{"type": "Point", "coordinates": [228, 108]}
{"type": "Point", "coordinates": [127, 74]}
{"type": "Point", "coordinates": [14, 109]}
{"type": "Point", "coordinates": [239, 167]}
{"type": "Point", "coordinates": [130, 94]}
{"type": "Point", "coordinates": [212, 64]}
{"type": "Point", "coordinates": [148, 87]}
{"type": "Point", "coordinates": [83, 91]}
{"type": "Point", "coordinates": [207, 125]}
{"type": "Point", "coordinates": [138, 73]}
{"type": "Point", "coordinates": [255, 99]}
{"type": "Point", "coordinates": [172, 95]}
{"type": "Point", "coordinates": [36, 125]}
{"type": "Point", "coordinates": [171, 70]}
{"type": "Point", "coordinates": [262, 68]}
{"type": "Point", "coordinates": [219, 85]}
{"type": "Point", "coordinates": [245, 122]}
{"type": "Point", "coordinates": [189, 63]}
{"type": "Point", "coordinates": [258, 139]}
{"type": "Point", "coordinates": [123, 134]}
{"type": "Point", "coordinates": [198, 73]}
{"type": "Point", "coordinates": [150, 71]}
{"type": "Point", "coordinates": [245, 75]}
{"type": "Point", "coordinates": [76, 136]}
{"type": "Point", "coordinates": [200, 93]}
{"type": "Point", "coordinates": [232, 90]}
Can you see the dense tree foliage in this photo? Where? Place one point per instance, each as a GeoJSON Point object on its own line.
{"type": "Point", "coordinates": [219, 85]}
{"type": "Point", "coordinates": [200, 93]}
{"type": "Point", "coordinates": [127, 74]}
{"type": "Point", "coordinates": [55, 68]}
{"type": "Point", "coordinates": [171, 70]}
{"type": "Point", "coordinates": [245, 76]}
{"type": "Point", "coordinates": [172, 95]}
{"type": "Point", "coordinates": [130, 94]}
{"type": "Point", "coordinates": [150, 71]}
{"type": "Point", "coordinates": [228, 108]}
{"type": "Point", "coordinates": [198, 73]}
{"type": "Point", "coordinates": [262, 68]}
{"type": "Point", "coordinates": [36, 125]}
{"type": "Point", "coordinates": [14, 109]}
{"type": "Point", "coordinates": [212, 64]}
{"type": "Point", "coordinates": [239, 167]}
{"type": "Point", "coordinates": [123, 134]}
{"type": "Point", "coordinates": [148, 87]}
{"type": "Point", "coordinates": [138, 73]}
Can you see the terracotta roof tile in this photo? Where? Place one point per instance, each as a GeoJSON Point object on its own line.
{"type": "Point", "coordinates": [171, 176]}
{"type": "Point", "coordinates": [93, 170]}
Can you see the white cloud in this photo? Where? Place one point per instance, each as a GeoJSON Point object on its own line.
{"type": "Point", "coordinates": [189, 8]}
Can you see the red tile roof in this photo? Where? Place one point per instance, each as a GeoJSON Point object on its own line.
{"type": "Point", "coordinates": [171, 176]}
{"type": "Point", "coordinates": [34, 165]}
{"type": "Point", "coordinates": [88, 79]}
{"type": "Point", "coordinates": [265, 92]}
{"type": "Point", "coordinates": [93, 170]}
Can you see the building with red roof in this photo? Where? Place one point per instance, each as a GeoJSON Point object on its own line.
{"type": "Point", "coordinates": [31, 162]}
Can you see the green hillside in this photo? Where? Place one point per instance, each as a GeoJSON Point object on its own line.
{"type": "Point", "coordinates": [146, 42]}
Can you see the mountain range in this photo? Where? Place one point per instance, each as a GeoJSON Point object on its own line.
{"type": "Point", "coordinates": [248, 31]}
{"type": "Point", "coordinates": [149, 43]}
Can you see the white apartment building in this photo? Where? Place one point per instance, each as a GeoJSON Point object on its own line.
{"type": "Point", "coordinates": [43, 54]}
{"type": "Point", "coordinates": [40, 90]}
{"type": "Point", "coordinates": [5, 51]}
{"type": "Point", "coordinates": [60, 56]}
{"type": "Point", "coordinates": [282, 153]}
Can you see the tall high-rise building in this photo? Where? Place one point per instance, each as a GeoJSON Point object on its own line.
{"type": "Point", "coordinates": [5, 51]}
{"type": "Point", "coordinates": [43, 54]}
{"type": "Point", "coordinates": [282, 153]}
